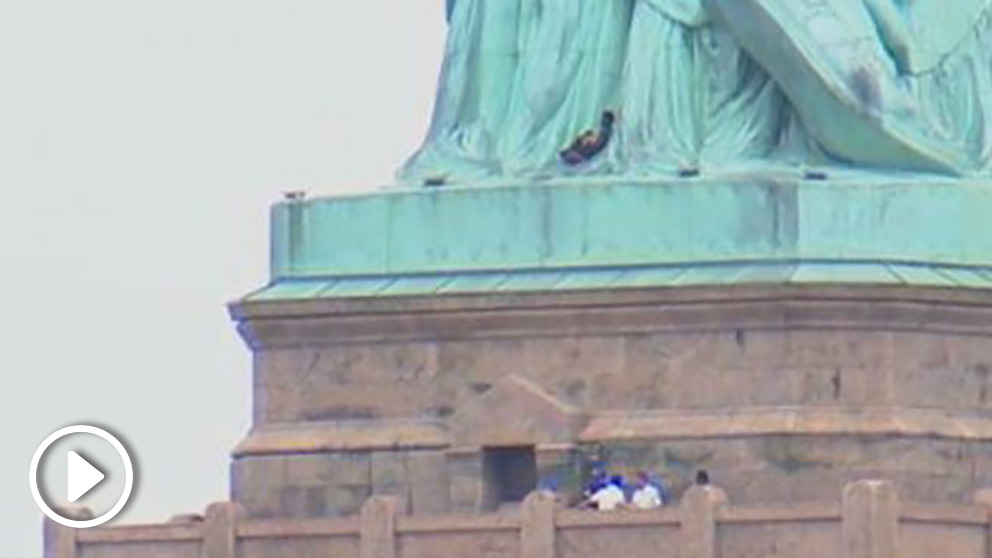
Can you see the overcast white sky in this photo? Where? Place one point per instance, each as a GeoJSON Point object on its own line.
{"type": "Point", "coordinates": [141, 144]}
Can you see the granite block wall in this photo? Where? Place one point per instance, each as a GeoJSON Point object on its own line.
{"type": "Point", "coordinates": [832, 358]}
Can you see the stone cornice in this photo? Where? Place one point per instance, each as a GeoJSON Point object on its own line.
{"type": "Point", "coordinates": [316, 322]}
{"type": "Point", "coordinates": [617, 426]}
{"type": "Point", "coordinates": [298, 438]}
{"type": "Point", "coordinates": [806, 421]}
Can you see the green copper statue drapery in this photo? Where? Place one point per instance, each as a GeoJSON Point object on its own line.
{"type": "Point", "coordinates": [900, 85]}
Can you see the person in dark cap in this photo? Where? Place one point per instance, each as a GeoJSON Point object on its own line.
{"type": "Point", "coordinates": [702, 477]}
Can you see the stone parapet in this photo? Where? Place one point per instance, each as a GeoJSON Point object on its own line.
{"type": "Point", "coordinates": [871, 522]}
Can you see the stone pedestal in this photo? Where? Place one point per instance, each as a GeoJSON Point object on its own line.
{"type": "Point", "coordinates": [789, 337]}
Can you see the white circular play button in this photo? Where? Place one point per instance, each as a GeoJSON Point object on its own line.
{"type": "Point", "coordinates": [84, 470]}
{"type": "Point", "coordinates": [81, 476]}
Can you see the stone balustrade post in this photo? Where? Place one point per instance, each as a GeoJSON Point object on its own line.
{"type": "Point", "coordinates": [60, 541]}
{"type": "Point", "coordinates": [219, 530]}
{"type": "Point", "coordinates": [378, 528]}
{"type": "Point", "coordinates": [697, 518]}
{"type": "Point", "coordinates": [983, 497]}
{"type": "Point", "coordinates": [870, 520]}
{"type": "Point", "coordinates": [537, 525]}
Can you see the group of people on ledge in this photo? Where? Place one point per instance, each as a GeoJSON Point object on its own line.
{"type": "Point", "coordinates": [606, 492]}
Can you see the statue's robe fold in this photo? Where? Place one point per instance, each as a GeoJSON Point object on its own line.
{"type": "Point", "coordinates": [473, 92]}
{"type": "Point", "coordinates": [691, 96]}
{"type": "Point", "coordinates": [864, 75]}
{"type": "Point", "coordinates": [521, 79]}
{"type": "Point", "coordinates": [569, 74]}
{"type": "Point", "coordinates": [869, 84]}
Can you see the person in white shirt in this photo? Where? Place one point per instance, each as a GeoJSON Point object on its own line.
{"type": "Point", "coordinates": [646, 496]}
{"type": "Point", "coordinates": [609, 497]}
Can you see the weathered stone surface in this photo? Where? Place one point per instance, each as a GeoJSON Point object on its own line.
{"type": "Point", "coordinates": [697, 515]}
{"type": "Point", "coordinates": [474, 366]}
{"type": "Point", "coordinates": [923, 541]}
{"type": "Point", "coordinates": [578, 370]}
{"type": "Point", "coordinates": [655, 541]}
{"type": "Point", "coordinates": [737, 366]}
{"type": "Point", "coordinates": [342, 437]}
{"type": "Point", "coordinates": [389, 468]}
{"type": "Point", "coordinates": [400, 493]}
{"type": "Point", "coordinates": [808, 539]}
{"type": "Point", "coordinates": [778, 391]}
{"type": "Point", "coordinates": [300, 547]}
{"type": "Point", "coordinates": [58, 540]}
{"type": "Point", "coordinates": [651, 375]}
{"type": "Point", "coordinates": [477, 544]}
{"type": "Point", "coordinates": [560, 467]}
{"type": "Point", "coordinates": [344, 383]}
{"type": "Point", "coordinates": [257, 484]}
{"type": "Point", "coordinates": [219, 530]}
{"type": "Point", "coordinates": [378, 528]}
{"type": "Point", "coordinates": [301, 501]}
{"type": "Point", "coordinates": [316, 470]}
{"type": "Point", "coordinates": [142, 549]}
{"type": "Point", "coordinates": [537, 526]}
{"type": "Point", "coordinates": [515, 412]}
{"type": "Point", "coordinates": [465, 493]}
{"type": "Point", "coordinates": [390, 478]}
{"type": "Point", "coordinates": [429, 486]}
{"type": "Point", "coordinates": [345, 500]}
{"type": "Point", "coordinates": [870, 520]}
{"type": "Point", "coordinates": [345, 469]}
{"type": "Point", "coordinates": [465, 488]}
{"type": "Point", "coordinates": [186, 518]}
{"type": "Point", "coordinates": [983, 497]}
{"type": "Point", "coordinates": [302, 485]}
{"type": "Point", "coordinates": [258, 471]}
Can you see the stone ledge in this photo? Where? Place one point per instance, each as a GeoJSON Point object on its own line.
{"type": "Point", "coordinates": [782, 271]}
{"type": "Point", "coordinates": [952, 515]}
{"type": "Point", "coordinates": [580, 519]}
{"type": "Point", "coordinates": [784, 514]}
{"type": "Point", "coordinates": [281, 324]}
{"type": "Point", "coordinates": [297, 438]}
{"type": "Point", "coordinates": [621, 221]}
{"type": "Point", "coordinates": [280, 528]}
{"type": "Point", "coordinates": [688, 424]}
{"type": "Point", "coordinates": [686, 295]}
{"type": "Point", "coordinates": [457, 524]}
{"type": "Point", "coordinates": [648, 425]}
{"type": "Point", "coordinates": [142, 533]}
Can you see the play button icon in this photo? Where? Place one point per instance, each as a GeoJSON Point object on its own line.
{"type": "Point", "coordinates": [82, 477]}
{"type": "Point", "coordinates": [85, 455]}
